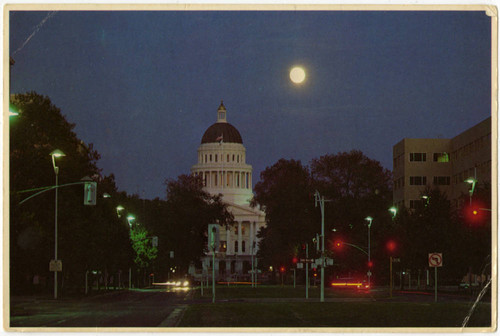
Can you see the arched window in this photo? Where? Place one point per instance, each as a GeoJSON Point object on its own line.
{"type": "Point", "coordinates": [235, 246]}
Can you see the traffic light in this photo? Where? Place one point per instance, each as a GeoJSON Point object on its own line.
{"type": "Point", "coordinates": [213, 236]}
{"type": "Point", "coordinates": [295, 260]}
{"type": "Point", "coordinates": [282, 269]}
{"type": "Point", "coordinates": [315, 274]}
{"type": "Point", "coordinates": [370, 264]}
{"type": "Point", "coordinates": [90, 193]}
{"type": "Point", "coordinates": [475, 213]}
{"type": "Point", "coordinates": [338, 244]}
{"type": "Point", "coordinates": [391, 246]}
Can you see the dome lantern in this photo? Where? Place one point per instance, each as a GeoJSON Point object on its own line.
{"type": "Point", "coordinates": [221, 113]}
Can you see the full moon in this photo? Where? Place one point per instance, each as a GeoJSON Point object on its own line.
{"type": "Point", "coordinates": [297, 75]}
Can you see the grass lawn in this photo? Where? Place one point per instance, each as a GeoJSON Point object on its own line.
{"type": "Point", "coordinates": [350, 314]}
{"type": "Point", "coordinates": [334, 314]}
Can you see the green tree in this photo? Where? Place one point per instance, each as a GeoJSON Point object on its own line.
{"type": "Point", "coordinates": [88, 237]}
{"type": "Point", "coordinates": [357, 187]}
{"type": "Point", "coordinates": [189, 211]}
{"type": "Point", "coordinates": [285, 192]}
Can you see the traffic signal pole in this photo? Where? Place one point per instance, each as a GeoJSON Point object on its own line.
{"type": "Point", "coordinates": [390, 276]}
{"type": "Point", "coordinates": [307, 271]}
{"type": "Point", "coordinates": [321, 200]}
{"type": "Point", "coordinates": [322, 296]}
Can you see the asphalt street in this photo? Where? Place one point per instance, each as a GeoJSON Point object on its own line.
{"type": "Point", "coordinates": [135, 308]}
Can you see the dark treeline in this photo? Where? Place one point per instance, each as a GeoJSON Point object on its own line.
{"type": "Point", "coordinates": [103, 245]}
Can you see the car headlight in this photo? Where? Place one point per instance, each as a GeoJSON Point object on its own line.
{"type": "Point", "coordinates": [185, 284]}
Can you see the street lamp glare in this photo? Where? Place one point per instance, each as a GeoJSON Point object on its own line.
{"type": "Point", "coordinates": [130, 217]}
{"type": "Point", "coordinates": [57, 153]}
{"type": "Point", "coordinates": [120, 208]}
{"type": "Point", "coordinates": [394, 210]}
{"type": "Point", "coordinates": [470, 180]}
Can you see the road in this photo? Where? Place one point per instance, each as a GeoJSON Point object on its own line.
{"type": "Point", "coordinates": [135, 308]}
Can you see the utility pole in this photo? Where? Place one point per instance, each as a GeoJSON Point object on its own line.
{"type": "Point", "coordinates": [321, 200]}
{"type": "Point", "coordinates": [307, 271]}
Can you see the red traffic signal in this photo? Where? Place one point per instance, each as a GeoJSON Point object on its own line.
{"type": "Point", "coordinates": [295, 260]}
{"type": "Point", "coordinates": [474, 213]}
{"type": "Point", "coordinates": [370, 264]}
{"type": "Point", "coordinates": [282, 269]}
{"type": "Point", "coordinates": [391, 246]}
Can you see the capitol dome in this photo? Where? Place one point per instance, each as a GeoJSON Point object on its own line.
{"type": "Point", "coordinates": [221, 130]}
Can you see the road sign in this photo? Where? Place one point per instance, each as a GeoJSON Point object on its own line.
{"type": "Point", "coordinates": [435, 259]}
{"type": "Point", "coordinates": [395, 260]}
{"type": "Point", "coordinates": [308, 261]}
{"type": "Point", "coordinates": [369, 273]}
{"type": "Point", "coordinates": [55, 266]}
{"type": "Point", "coordinates": [300, 265]}
{"type": "Point", "coordinates": [329, 262]}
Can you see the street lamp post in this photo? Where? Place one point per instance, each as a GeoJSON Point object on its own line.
{"type": "Point", "coordinates": [130, 218]}
{"type": "Point", "coordinates": [369, 219]}
{"type": "Point", "coordinates": [321, 200]}
{"type": "Point", "coordinates": [55, 154]}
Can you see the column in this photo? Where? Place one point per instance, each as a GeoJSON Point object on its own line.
{"type": "Point", "coordinates": [228, 268]}
{"type": "Point", "coordinates": [239, 237]}
{"type": "Point", "coordinates": [228, 242]}
{"type": "Point", "coordinates": [250, 247]}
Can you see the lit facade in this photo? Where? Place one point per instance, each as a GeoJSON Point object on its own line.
{"type": "Point", "coordinates": [445, 163]}
{"type": "Point", "coordinates": [222, 164]}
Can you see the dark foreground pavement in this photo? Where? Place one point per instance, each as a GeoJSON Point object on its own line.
{"type": "Point", "coordinates": [128, 308]}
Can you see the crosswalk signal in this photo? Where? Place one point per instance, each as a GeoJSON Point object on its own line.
{"type": "Point", "coordinates": [90, 193]}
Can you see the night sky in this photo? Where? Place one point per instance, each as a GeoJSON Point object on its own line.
{"type": "Point", "coordinates": [143, 86]}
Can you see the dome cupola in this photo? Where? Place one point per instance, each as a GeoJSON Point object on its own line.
{"type": "Point", "coordinates": [221, 130]}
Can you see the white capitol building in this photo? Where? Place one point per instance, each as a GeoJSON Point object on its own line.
{"type": "Point", "coordinates": [222, 164]}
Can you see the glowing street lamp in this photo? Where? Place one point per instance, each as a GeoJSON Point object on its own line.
{"type": "Point", "coordinates": [426, 199]}
{"type": "Point", "coordinates": [394, 211]}
{"type": "Point", "coordinates": [118, 211]}
{"type": "Point", "coordinates": [56, 154]}
{"type": "Point", "coordinates": [130, 218]}
{"type": "Point", "coordinates": [472, 181]}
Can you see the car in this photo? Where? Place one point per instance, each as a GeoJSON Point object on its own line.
{"type": "Point", "coordinates": [349, 283]}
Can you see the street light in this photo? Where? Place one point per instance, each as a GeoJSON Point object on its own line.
{"type": "Point", "coordinates": [394, 211]}
{"type": "Point", "coordinates": [426, 200]}
{"type": "Point", "coordinates": [369, 219]}
{"type": "Point", "coordinates": [472, 181]}
{"type": "Point", "coordinates": [321, 200]}
{"type": "Point", "coordinates": [56, 154]}
{"type": "Point", "coordinates": [130, 218]}
{"type": "Point", "coordinates": [118, 210]}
